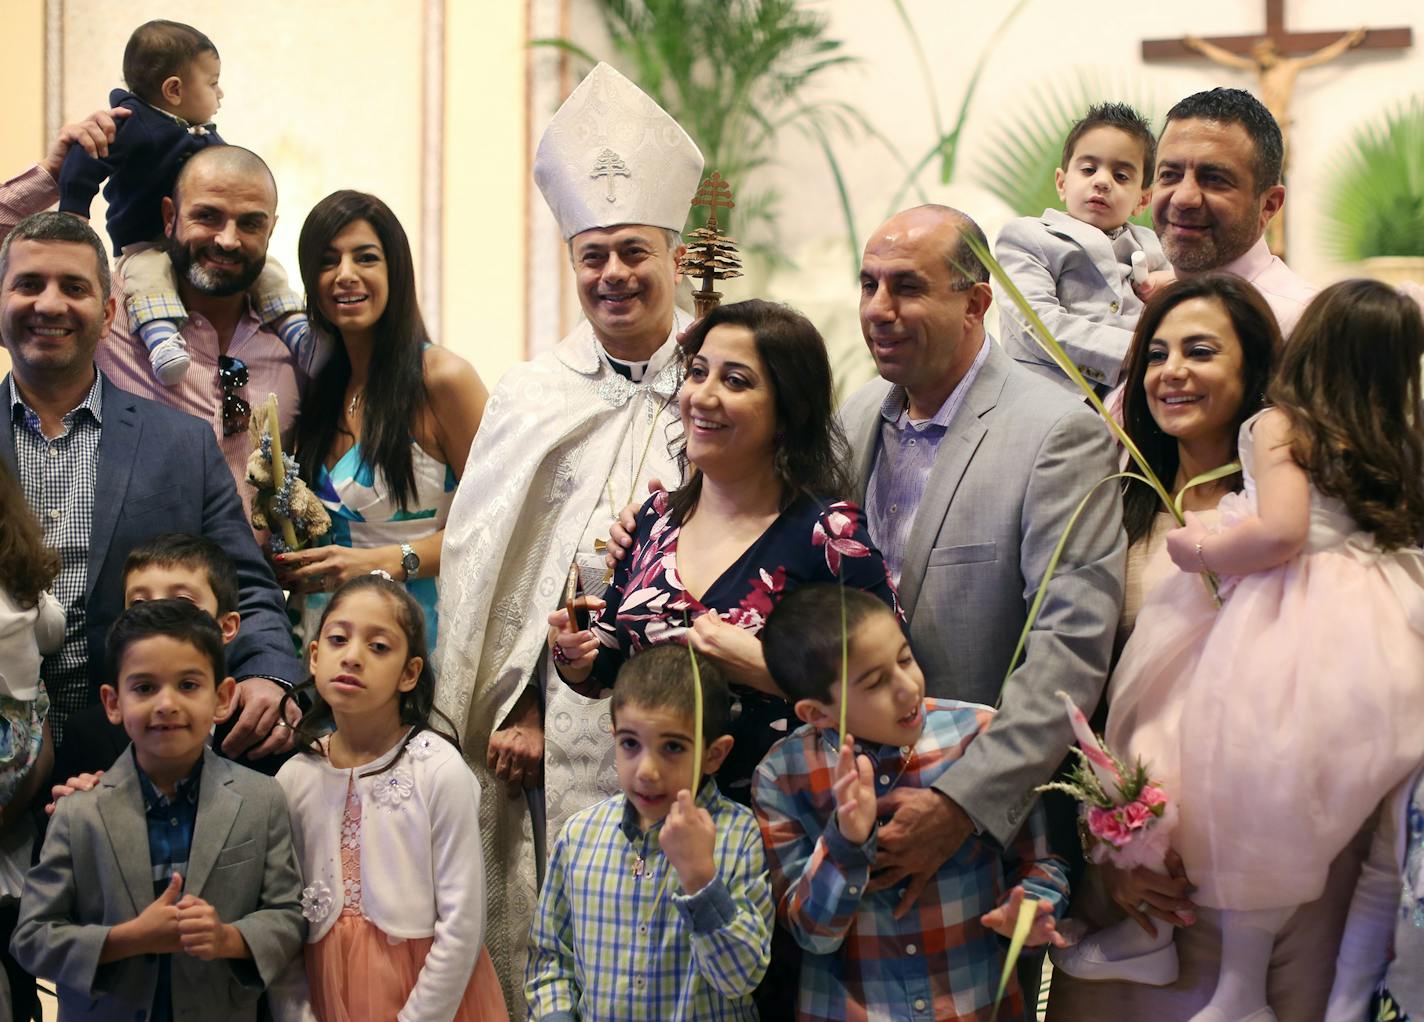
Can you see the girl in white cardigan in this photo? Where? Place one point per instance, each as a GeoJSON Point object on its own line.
{"type": "Point", "coordinates": [385, 816]}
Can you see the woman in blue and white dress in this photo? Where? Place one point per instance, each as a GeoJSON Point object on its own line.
{"type": "Point", "coordinates": [387, 423]}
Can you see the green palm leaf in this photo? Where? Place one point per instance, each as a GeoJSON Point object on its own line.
{"type": "Point", "coordinates": [1026, 145]}
{"type": "Point", "coordinates": [1375, 203]}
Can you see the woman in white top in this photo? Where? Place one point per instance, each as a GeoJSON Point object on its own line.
{"type": "Point", "coordinates": [387, 423]}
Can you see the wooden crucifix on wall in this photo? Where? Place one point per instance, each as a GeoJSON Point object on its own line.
{"type": "Point", "coordinates": [1271, 56]}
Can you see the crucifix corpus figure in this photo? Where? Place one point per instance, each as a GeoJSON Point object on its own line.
{"type": "Point", "coordinates": [1276, 73]}
{"type": "Point", "coordinates": [1271, 56]}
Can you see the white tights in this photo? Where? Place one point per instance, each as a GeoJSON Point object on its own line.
{"type": "Point", "coordinates": [1247, 939]}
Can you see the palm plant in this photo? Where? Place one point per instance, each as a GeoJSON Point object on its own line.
{"type": "Point", "coordinates": [1375, 206]}
{"type": "Point", "coordinates": [1027, 146]}
{"type": "Point", "coordinates": [736, 75]}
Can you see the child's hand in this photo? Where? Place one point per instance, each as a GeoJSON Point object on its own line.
{"type": "Point", "coordinates": [855, 793]}
{"type": "Point", "coordinates": [1182, 544]}
{"type": "Point", "coordinates": [1156, 280]}
{"type": "Point", "coordinates": [203, 935]}
{"type": "Point", "coordinates": [154, 931]}
{"type": "Point", "coordinates": [83, 782]}
{"type": "Point", "coordinates": [1003, 918]}
{"type": "Point", "coordinates": [687, 839]}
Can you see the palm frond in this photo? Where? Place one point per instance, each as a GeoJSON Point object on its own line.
{"type": "Point", "coordinates": [734, 74]}
{"type": "Point", "coordinates": [1375, 203]}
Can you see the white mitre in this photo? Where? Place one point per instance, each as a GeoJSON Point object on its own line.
{"type": "Point", "coordinates": [613, 156]}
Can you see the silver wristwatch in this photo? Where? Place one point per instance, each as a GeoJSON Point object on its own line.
{"type": "Point", "coordinates": [409, 561]}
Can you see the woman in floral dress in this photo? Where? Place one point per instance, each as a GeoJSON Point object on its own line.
{"type": "Point", "coordinates": [762, 512]}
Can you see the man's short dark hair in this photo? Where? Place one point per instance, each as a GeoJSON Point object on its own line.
{"type": "Point", "coordinates": [661, 679]}
{"type": "Point", "coordinates": [1125, 119]}
{"type": "Point", "coordinates": [158, 50]}
{"type": "Point", "coordinates": [1237, 106]}
{"type": "Point", "coordinates": [55, 226]}
{"type": "Point", "coordinates": [176, 619]}
{"type": "Point", "coordinates": [802, 637]}
{"type": "Point", "coordinates": [184, 550]}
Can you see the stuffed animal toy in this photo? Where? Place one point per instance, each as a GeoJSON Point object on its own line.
{"type": "Point", "coordinates": [293, 502]}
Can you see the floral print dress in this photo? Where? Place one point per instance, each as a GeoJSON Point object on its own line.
{"type": "Point", "coordinates": [811, 541]}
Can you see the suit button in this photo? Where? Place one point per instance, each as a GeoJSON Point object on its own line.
{"type": "Point", "coordinates": [1113, 306]}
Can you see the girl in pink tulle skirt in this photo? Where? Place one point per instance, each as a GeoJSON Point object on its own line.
{"type": "Point", "coordinates": [1281, 720]}
{"type": "Point", "coordinates": [385, 817]}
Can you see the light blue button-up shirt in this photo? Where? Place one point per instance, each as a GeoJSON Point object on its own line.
{"type": "Point", "coordinates": [902, 465]}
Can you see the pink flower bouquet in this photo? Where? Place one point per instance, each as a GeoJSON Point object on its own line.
{"type": "Point", "coordinates": [1128, 817]}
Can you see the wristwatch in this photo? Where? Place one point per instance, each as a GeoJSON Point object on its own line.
{"type": "Point", "coordinates": [409, 561]}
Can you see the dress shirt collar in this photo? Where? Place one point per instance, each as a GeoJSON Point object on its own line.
{"type": "Point", "coordinates": [895, 409]}
{"type": "Point", "coordinates": [185, 791]}
{"type": "Point", "coordinates": [1251, 263]}
{"type": "Point", "coordinates": [878, 753]}
{"type": "Point", "coordinates": [93, 402]}
{"type": "Point", "coordinates": [202, 129]}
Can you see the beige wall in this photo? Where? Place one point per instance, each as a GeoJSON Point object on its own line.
{"type": "Point", "coordinates": [22, 83]}
{"type": "Point", "coordinates": [486, 183]}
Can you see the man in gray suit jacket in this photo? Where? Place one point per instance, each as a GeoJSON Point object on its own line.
{"type": "Point", "coordinates": [95, 873]}
{"type": "Point", "coordinates": [970, 466]}
{"type": "Point", "coordinates": [172, 888]}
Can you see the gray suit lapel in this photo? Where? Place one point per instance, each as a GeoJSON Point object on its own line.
{"type": "Point", "coordinates": [864, 440]}
{"type": "Point", "coordinates": [121, 808]}
{"type": "Point", "coordinates": [961, 440]}
{"type": "Point", "coordinates": [1092, 241]}
{"type": "Point", "coordinates": [217, 811]}
{"type": "Point", "coordinates": [118, 447]}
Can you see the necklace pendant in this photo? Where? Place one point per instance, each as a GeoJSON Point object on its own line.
{"type": "Point", "coordinates": [600, 545]}
{"type": "Point", "coordinates": [638, 867]}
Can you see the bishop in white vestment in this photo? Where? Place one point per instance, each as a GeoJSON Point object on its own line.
{"type": "Point", "coordinates": [567, 440]}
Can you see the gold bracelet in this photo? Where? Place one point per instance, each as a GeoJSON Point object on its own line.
{"type": "Point", "coordinates": [1202, 560]}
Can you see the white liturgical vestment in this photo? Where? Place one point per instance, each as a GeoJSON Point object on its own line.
{"type": "Point", "coordinates": [566, 442]}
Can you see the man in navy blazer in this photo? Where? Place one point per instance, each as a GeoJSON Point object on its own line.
{"type": "Point", "coordinates": [146, 468]}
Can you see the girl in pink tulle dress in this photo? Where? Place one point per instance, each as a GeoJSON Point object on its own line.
{"type": "Point", "coordinates": [1281, 720]}
{"type": "Point", "coordinates": [385, 818]}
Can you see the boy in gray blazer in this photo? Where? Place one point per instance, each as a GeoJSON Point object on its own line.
{"type": "Point", "coordinates": [1075, 268]}
{"type": "Point", "coordinates": [171, 889]}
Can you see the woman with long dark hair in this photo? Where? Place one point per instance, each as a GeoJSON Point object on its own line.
{"type": "Point", "coordinates": [762, 511]}
{"type": "Point", "coordinates": [387, 423]}
{"type": "Point", "coordinates": [1200, 359]}
{"type": "Point", "coordinates": [1200, 362]}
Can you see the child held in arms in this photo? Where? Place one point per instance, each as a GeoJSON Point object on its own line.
{"type": "Point", "coordinates": [655, 903]}
{"type": "Point", "coordinates": [171, 889]}
{"type": "Point", "coordinates": [172, 70]}
{"type": "Point", "coordinates": [869, 956]}
{"type": "Point", "coordinates": [1076, 268]}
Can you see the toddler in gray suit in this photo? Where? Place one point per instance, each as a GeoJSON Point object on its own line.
{"type": "Point", "coordinates": [1076, 267]}
{"type": "Point", "coordinates": [169, 890]}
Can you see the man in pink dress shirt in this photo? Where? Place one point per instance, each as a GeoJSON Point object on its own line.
{"type": "Point", "coordinates": [219, 224]}
{"type": "Point", "coordinates": [1218, 186]}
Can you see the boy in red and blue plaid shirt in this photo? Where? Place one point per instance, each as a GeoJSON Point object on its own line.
{"type": "Point", "coordinates": [817, 805]}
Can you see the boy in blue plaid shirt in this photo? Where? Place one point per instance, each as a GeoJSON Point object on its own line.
{"type": "Point", "coordinates": [941, 956]}
{"type": "Point", "coordinates": [655, 905]}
